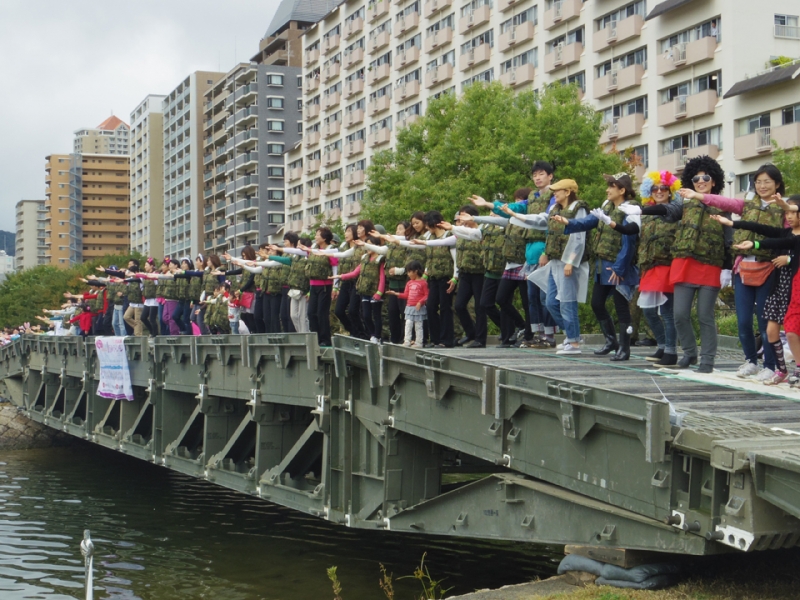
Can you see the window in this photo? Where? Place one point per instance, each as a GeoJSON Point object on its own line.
{"type": "Point", "coordinates": [275, 218]}
{"type": "Point", "coordinates": [274, 171]}
{"type": "Point", "coordinates": [486, 37]}
{"type": "Point", "coordinates": [710, 28]}
{"type": "Point", "coordinates": [275, 148]}
{"type": "Point", "coordinates": [578, 79]}
{"type": "Point", "coordinates": [786, 20]}
{"type": "Point", "coordinates": [745, 183]}
{"type": "Point", "coordinates": [526, 16]}
{"type": "Point", "coordinates": [708, 137]}
{"type": "Point", "coordinates": [790, 115]}
{"type": "Point", "coordinates": [642, 153]}
{"type": "Point", "coordinates": [637, 57]}
{"type": "Point", "coordinates": [529, 57]}
{"type": "Point", "coordinates": [485, 77]}
{"type": "Point", "coordinates": [276, 80]}
{"type": "Point", "coordinates": [748, 126]}
{"type": "Point", "coordinates": [274, 125]}
{"type": "Point", "coordinates": [712, 81]}
{"type": "Point", "coordinates": [275, 195]}
{"type": "Point", "coordinates": [274, 102]}
{"type": "Point", "coordinates": [682, 89]}
{"type": "Point", "coordinates": [637, 8]}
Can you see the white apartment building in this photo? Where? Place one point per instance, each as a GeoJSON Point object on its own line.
{"type": "Point", "coordinates": [182, 111]}
{"type": "Point", "coordinates": [110, 137]}
{"type": "Point", "coordinates": [147, 177]}
{"type": "Point", "coordinates": [670, 78]}
{"type": "Point", "coordinates": [29, 242]}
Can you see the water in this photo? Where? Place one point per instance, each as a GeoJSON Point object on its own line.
{"type": "Point", "coordinates": [160, 535]}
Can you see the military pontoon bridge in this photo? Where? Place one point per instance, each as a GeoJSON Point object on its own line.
{"type": "Point", "coordinates": [503, 444]}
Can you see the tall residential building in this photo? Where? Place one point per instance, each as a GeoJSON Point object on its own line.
{"type": "Point", "coordinates": [183, 156]}
{"type": "Point", "coordinates": [88, 206]}
{"type": "Point", "coordinates": [251, 118]}
{"type": "Point", "coordinates": [671, 79]}
{"type": "Point", "coordinates": [110, 137]}
{"type": "Point", "coordinates": [283, 42]}
{"type": "Point", "coordinates": [30, 237]}
{"type": "Point", "coordinates": [147, 177]}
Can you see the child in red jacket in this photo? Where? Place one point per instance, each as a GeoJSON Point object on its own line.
{"type": "Point", "coordinates": [416, 297]}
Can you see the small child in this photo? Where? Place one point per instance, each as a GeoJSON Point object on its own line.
{"type": "Point", "coordinates": [234, 310]}
{"type": "Point", "coordinates": [416, 297]}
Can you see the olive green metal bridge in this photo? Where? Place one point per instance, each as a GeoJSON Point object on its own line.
{"type": "Point", "coordinates": [503, 444]}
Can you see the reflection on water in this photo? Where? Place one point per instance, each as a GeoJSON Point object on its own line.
{"type": "Point", "coordinates": [160, 535]}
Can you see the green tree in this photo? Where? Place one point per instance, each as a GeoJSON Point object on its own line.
{"type": "Point", "coordinates": [788, 161]}
{"type": "Point", "coordinates": [484, 143]}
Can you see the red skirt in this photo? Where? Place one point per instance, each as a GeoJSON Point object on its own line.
{"type": "Point", "coordinates": [657, 280]}
{"type": "Point", "coordinates": [689, 270]}
{"type": "Point", "coordinates": [791, 322]}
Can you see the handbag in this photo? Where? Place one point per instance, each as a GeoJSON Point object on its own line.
{"type": "Point", "coordinates": [755, 273]}
{"type": "Point", "coordinates": [247, 299]}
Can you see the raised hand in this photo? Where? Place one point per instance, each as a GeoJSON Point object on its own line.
{"type": "Point", "coordinates": [445, 225]}
{"type": "Point", "coordinates": [722, 220]}
{"type": "Point", "coordinates": [559, 219]}
{"type": "Point", "coordinates": [600, 215]}
{"type": "Point", "coordinates": [689, 194]}
{"type": "Point", "coordinates": [478, 201]}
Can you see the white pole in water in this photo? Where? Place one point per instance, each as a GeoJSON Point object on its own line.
{"type": "Point", "coordinates": [87, 549]}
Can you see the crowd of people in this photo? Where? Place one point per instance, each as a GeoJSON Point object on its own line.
{"type": "Point", "coordinates": [664, 248]}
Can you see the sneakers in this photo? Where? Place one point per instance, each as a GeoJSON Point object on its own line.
{"type": "Point", "coordinates": [561, 346]}
{"type": "Point", "coordinates": [408, 343]}
{"type": "Point", "coordinates": [541, 344]}
{"type": "Point", "coordinates": [569, 349]}
{"type": "Point", "coordinates": [374, 340]}
{"type": "Point", "coordinates": [794, 379]}
{"type": "Point", "coordinates": [764, 375]}
{"type": "Point", "coordinates": [777, 378]}
{"type": "Point", "coordinates": [748, 369]}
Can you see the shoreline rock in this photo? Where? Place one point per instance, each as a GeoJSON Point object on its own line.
{"type": "Point", "coordinates": [18, 432]}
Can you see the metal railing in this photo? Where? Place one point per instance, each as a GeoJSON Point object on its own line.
{"type": "Point", "coordinates": [763, 139]}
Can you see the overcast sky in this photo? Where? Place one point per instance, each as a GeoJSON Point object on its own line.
{"type": "Point", "coordinates": [69, 65]}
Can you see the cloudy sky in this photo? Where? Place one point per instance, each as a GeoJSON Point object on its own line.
{"type": "Point", "coordinates": [69, 65]}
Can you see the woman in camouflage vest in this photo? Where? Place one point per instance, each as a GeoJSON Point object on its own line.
{"type": "Point", "coordinates": [750, 298]}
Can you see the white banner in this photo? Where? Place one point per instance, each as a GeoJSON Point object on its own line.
{"type": "Point", "coordinates": [115, 377]}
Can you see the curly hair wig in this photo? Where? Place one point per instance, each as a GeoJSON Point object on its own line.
{"type": "Point", "coordinates": [658, 178]}
{"type": "Point", "coordinates": [707, 165]}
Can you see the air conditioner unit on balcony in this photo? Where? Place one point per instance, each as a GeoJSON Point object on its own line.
{"type": "Point", "coordinates": [559, 53]}
{"type": "Point", "coordinates": [558, 10]}
{"type": "Point", "coordinates": [680, 107]}
{"type": "Point", "coordinates": [471, 19]}
{"type": "Point", "coordinates": [613, 131]}
{"type": "Point", "coordinates": [513, 37]}
{"type": "Point", "coordinates": [613, 80]}
{"type": "Point", "coordinates": [612, 32]}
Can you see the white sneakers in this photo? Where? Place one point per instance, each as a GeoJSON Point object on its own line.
{"type": "Point", "coordinates": [567, 348]}
{"type": "Point", "coordinates": [748, 369]}
{"type": "Point", "coordinates": [764, 375]}
{"type": "Point", "coordinates": [374, 340]}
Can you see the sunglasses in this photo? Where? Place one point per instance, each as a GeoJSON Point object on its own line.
{"type": "Point", "coordinates": [660, 188]}
{"type": "Point", "coordinates": [699, 178]}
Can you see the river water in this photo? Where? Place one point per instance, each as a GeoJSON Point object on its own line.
{"type": "Point", "coordinates": [160, 535]}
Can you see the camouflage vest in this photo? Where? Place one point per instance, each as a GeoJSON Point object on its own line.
{"type": "Point", "coordinates": [347, 265]}
{"type": "Point", "coordinates": [96, 304]}
{"type": "Point", "coordinates": [396, 259]}
{"type": "Point", "coordinates": [297, 275]}
{"type": "Point", "coordinates": [469, 256]}
{"type": "Point", "coordinates": [134, 292]}
{"type": "Point", "coordinates": [319, 267]}
{"type": "Point", "coordinates": [195, 288]}
{"type": "Point", "coordinates": [556, 238]}
{"type": "Point", "coordinates": [418, 252]}
{"type": "Point", "coordinates": [261, 279]}
{"type": "Point", "coordinates": [149, 289]}
{"type": "Point", "coordinates": [368, 279]}
{"type": "Point", "coordinates": [655, 242]}
{"type": "Point", "coordinates": [606, 242]}
{"type": "Point", "coordinates": [113, 289]}
{"type": "Point", "coordinates": [699, 236]}
{"type": "Point", "coordinates": [244, 280]}
{"type": "Point", "coordinates": [182, 289]}
{"type": "Point", "coordinates": [771, 216]}
{"type": "Point", "coordinates": [210, 283]}
{"type": "Point", "coordinates": [167, 289]}
{"type": "Point", "coordinates": [536, 206]}
{"type": "Point", "coordinates": [493, 240]}
{"type": "Point", "coordinates": [439, 261]}
{"type": "Point", "coordinates": [277, 278]}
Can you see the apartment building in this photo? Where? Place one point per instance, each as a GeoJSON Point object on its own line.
{"type": "Point", "coordinates": [88, 207]}
{"type": "Point", "coordinates": [283, 42]}
{"type": "Point", "coordinates": [182, 111]}
{"type": "Point", "coordinates": [147, 177]}
{"type": "Point", "coordinates": [668, 77]}
{"type": "Point", "coordinates": [29, 241]}
{"type": "Point", "coordinates": [112, 136]}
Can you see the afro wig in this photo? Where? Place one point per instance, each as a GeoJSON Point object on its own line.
{"type": "Point", "coordinates": [707, 165]}
{"type": "Point", "coordinates": [658, 178]}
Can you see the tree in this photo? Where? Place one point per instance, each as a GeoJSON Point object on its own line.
{"type": "Point", "coordinates": [788, 161]}
{"type": "Point", "coordinates": [485, 143]}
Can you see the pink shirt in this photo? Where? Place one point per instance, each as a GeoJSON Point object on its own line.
{"type": "Point", "coordinates": [416, 291]}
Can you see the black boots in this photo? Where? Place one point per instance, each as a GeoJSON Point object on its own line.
{"type": "Point", "coordinates": [624, 351]}
{"type": "Point", "coordinates": [607, 326]}
{"type": "Point", "coordinates": [668, 360]}
{"type": "Point", "coordinates": [656, 356]}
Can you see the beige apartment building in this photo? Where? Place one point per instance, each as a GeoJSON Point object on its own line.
{"type": "Point", "coordinates": [147, 177]}
{"type": "Point", "coordinates": [29, 241]}
{"type": "Point", "coordinates": [112, 136]}
{"type": "Point", "coordinates": [88, 207]}
{"type": "Point", "coordinates": [672, 79]}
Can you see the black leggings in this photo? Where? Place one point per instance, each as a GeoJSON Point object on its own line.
{"type": "Point", "coordinates": [600, 295]}
{"type": "Point", "coordinates": [348, 309]}
{"type": "Point", "coordinates": [150, 319]}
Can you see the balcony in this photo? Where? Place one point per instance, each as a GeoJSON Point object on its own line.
{"type": "Point", "coordinates": [382, 136]}
{"type": "Point", "coordinates": [406, 24]}
{"type": "Point", "coordinates": [673, 162]}
{"type": "Point", "coordinates": [311, 84]}
{"type": "Point", "coordinates": [616, 81]}
{"type": "Point", "coordinates": [312, 166]}
{"type": "Point", "coordinates": [331, 129]}
{"type": "Point", "coordinates": [353, 27]}
{"type": "Point", "coordinates": [504, 5]}
{"type": "Point", "coordinates": [408, 90]}
{"type": "Point", "coordinates": [311, 112]}
{"type": "Point", "coordinates": [313, 193]}
{"type": "Point", "coordinates": [353, 87]}
{"type": "Point", "coordinates": [246, 115]}
{"type": "Point", "coordinates": [687, 107]}
{"type": "Point", "coordinates": [560, 12]}
{"type": "Point", "coordinates": [378, 41]}
{"type": "Point", "coordinates": [331, 101]}
{"type": "Point", "coordinates": [759, 143]}
{"type": "Point", "coordinates": [312, 56]}
{"type": "Point", "coordinates": [351, 209]}
{"type": "Point", "coordinates": [295, 174]}
{"type": "Point", "coordinates": [355, 178]}
{"type": "Point", "coordinates": [616, 32]}
{"type": "Point", "coordinates": [379, 73]}
{"type": "Point", "coordinates": [518, 75]}
{"type": "Point", "coordinates": [562, 56]}
{"type": "Point", "coordinates": [439, 38]}
{"type": "Point", "coordinates": [295, 200]}
{"type": "Point", "coordinates": [686, 54]}
{"type": "Point", "coordinates": [354, 117]}
{"type": "Point", "coordinates": [476, 18]}
{"type": "Point", "coordinates": [515, 36]}
{"type": "Point", "coordinates": [623, 127]}
{"type": "Point", "coordinates": [438, 75]}
{"type": "Point", "coordinates": [353, 148]}
{"type": "Point", "coordinates": [407, 57]}
{"type": "Point", "coordinates": [353, 57]}
{"type": "Point", "coordinates": [379, 105]}
{"type": "Point", "coordinates": [330, 72]}
{"type": "Point", "coordinates": [329, 43]}
{"type": "Point", "coordinates": [377, 9]}
{"type": "Point", "coordinates": [475, 56]}
{"type": "Point", "coordinates": [332, 186]}
{"type": "Point", "coordinates": [431, 7]}
{"type": "Point", "coordinates": [331, 158]}
{"type": "Point", "coordinates": [311, 138]}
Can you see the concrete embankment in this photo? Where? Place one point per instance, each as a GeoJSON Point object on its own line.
{"type": "Point", "coordinates": [18, 432]}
